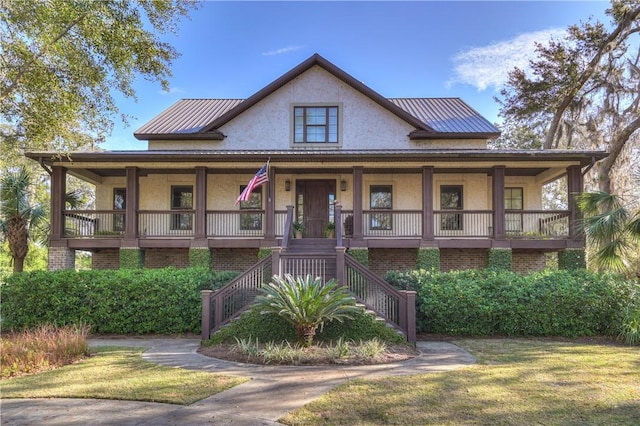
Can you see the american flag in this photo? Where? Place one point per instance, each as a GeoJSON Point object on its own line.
{"type": "Point", "coordinates": [260, 177]}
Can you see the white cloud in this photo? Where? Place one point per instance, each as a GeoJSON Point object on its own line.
{"type": "Point", "coordinates": [282, 50]}
{"type": "Point", "coordinates": [488, 66]}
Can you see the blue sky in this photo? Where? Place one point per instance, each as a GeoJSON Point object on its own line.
{"type": "Point", "coordinates": [399, 49]}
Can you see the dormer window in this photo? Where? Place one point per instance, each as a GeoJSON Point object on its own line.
{"type": "Point", "coordinates": [315, 124]}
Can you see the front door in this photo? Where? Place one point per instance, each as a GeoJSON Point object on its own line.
{"type": "Point", "coordinates": [314, 205]}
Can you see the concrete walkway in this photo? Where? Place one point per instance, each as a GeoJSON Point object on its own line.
{"type": "Point", "coordinates": [272, 392]}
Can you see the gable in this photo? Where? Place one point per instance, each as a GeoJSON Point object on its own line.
{"type": "Point", "coordinates": [368, 120]}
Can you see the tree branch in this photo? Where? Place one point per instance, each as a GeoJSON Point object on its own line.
{"type": "Point", "coordinates": [586, 75]}
{"type": "Point", "coordinates": [25, 67]}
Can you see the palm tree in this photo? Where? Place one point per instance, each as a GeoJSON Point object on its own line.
{"type": "Point", "coordinates": [613, 230]}
{"type": "Point", "coordinates": [306, 303]}
{"type": "Point", "coordinates": [19, 218]}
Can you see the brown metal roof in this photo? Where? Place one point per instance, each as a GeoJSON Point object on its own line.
{"type": "Point", "coordinates": [432, 117]}
{"type": "Point", "coordinates": [446, 115]}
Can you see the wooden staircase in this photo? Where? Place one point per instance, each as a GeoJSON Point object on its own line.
{"type": "Point", "coordinates": [318, 257]}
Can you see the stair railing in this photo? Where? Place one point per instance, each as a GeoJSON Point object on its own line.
{"type": "Point", "coordinates": [396, 306]}
{"type": "Point", "coordinates": [221, 306]}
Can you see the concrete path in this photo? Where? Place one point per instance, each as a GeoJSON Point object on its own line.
{"type": "Point", "coordinates": [272, 392]}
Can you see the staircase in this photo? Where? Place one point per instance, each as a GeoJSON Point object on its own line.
{"type": "Point", "coordinates": [310, 256]}
{"type": "Point", "coordinates": [318, 257]}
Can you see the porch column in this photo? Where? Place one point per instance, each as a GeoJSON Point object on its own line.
{"type": "Point", "coordinates": [575, 186]}
{"type": "Point", "coordinates": [498, 203]}
{"type": "Point", "coordinates": [427, 203]}
{"type": "Point", "coordinates": [201, 204]}
{"type": "Point", "coordinates": [357, 203]}
{"type": "Point", "coordinates": [270, 209]}
{"type": "Point", "coordinates": [131, 211]}
{"type": "Point", "coordinates": [58, 191]}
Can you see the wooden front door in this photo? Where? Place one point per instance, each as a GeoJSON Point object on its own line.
{"type": "Point", "coordinates": [314, 204]}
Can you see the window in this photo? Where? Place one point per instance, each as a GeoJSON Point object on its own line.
{"type": "Point", "coordinates": [119, 203]}
{"type": "Point", "coordinates": [513, 200]}
{"type": "Point", "coordinates": [251, 221]}
{"type": "Point", "coordinates": [315, 124]}
{"type": "Point", "coordinates": [380, 199]}
{"type": "Point", "coordinates": [182, 199]}
{"type": "Point", "coordinates": [451, 199]}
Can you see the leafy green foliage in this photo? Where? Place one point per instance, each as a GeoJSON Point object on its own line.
{"type": "Point", "coordinates": [126, 301]}
{"type": "Point", "coordinates": [63, 60]}
{"type": "Point", "coordinates": [273, 328]}
{"type": "Point", "coordinates": [498, 258]}
{"type": "Point", "coordinates": [428, 259]}
{"type": "Point", "coordinates": [494, 302]}
{"type": "Point", "coordinates": [630, 328]}
{"type": "Point", "coordinates": [611, 228]}
{"type": "Point", "coordinates": [306, 303]}
{"type": "Point", "coordinates": [571, 259]}
{"type": "Point", "coordinates": [200, 257]}
{"type": "Point", "coordinates": [131, 258]}
{"type": "Point", "coordinates": [582, 89]}
{"type": "Point", "coordinates": [361, 255]}
{"type": "Point", "coordinates": [264, 252]}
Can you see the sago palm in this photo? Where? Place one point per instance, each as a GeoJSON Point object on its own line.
{"type": "Point", "coordinates": [19, 218]}
{"type": "Point", "coordinates": [306, 303]}
{"type": "Point", "coordinates": [610, 228]}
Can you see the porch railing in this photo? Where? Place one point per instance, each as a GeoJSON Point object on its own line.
{"type": "Point", "coordinates": [463, 223]}
{"type": "Point", "coordinates": [93, 223]}
{"type": "Point", "coordinates": [231, 223]}
{"type": "Point", "coordinates": [521, 224]}
{"type": "Point", "coordinates": [396, 306]}
{"type": "Point", "coordinates": [392, 223]}
{"type": "Point", "coordinates": [177, 223]}
{"type": "Point", "coordinates": [541, 224]}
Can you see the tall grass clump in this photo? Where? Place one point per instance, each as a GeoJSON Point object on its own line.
{"type": "Point", "coordinates": [42, 348]}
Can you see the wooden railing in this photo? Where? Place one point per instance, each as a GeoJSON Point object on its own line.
{"type": "Point", "coordinates": [463, 223]}
{"type": "Point", "coordinates": [234, 224]}
{"type": "Point", "coordinates": [541, 224]}
{"type": "Point", "coordinates": [93, 223]}
{"type": "Point", "coordinates": [177, 223]}
{"type": "Point", "coordinates": [396, 306]}
{"type": "Point", "coordinates": [223, 305]}
{"type": "Point", "coordinates": [392, 223]}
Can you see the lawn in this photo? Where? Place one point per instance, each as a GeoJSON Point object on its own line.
{"type": "Point", "coordinates": [515, 382]}
{"type": "Point", "coordinates": [119, 373]}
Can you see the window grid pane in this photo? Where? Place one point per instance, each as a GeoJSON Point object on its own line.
{"type": "Point", "coordinates": [316, 124]}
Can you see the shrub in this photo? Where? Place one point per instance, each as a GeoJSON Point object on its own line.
{"type": "Point", "coordinates": [428, 259]}
{"type": "Point", "coordinates": [272, 328]}
{"type": "Point", "coordinates": [42, 348]}
{"type": "Point", "coordinates": [126, 301]}
{"type": "Point", "coordinates": [200, 257]}
{"type": "Point", "coordinates": [306, 303]}
{"type": "Point", "coordinates": [499, 258]}
{"type": "Point", "coordinates": [495, 302]}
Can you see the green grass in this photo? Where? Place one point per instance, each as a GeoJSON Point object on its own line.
{"type": "Point", "coordinates": [515, 382]}
{"type": "Point", "coordinates": [120, 373]}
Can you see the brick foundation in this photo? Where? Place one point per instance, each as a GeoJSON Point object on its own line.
{"type": "Point", "coordinates": [234, 259]}
{"type": "Point", "coordinates": [61, 258]}
{"type": "Point", "coordinates": [529, 261]}
{"type": "Point", "coordinates": [105, 259]}
{"type": "Point", "coordinates": [459, 259]}
{"type": "Point", "coordinates": [163, 258]}
{"type": "Point", "coordinates": [383, 260]}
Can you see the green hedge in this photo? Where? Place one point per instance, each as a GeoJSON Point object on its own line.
{"type": "Point", "coordinates": [273, 328]}
{"type": "Point", "coordinates": [499, 258]}
{"type": "Point", "coordinates": [496, 302]}
{"type": "Point", "coordinates": [125, 301]}
{"type": "Point", "coordinates": [428, 259]}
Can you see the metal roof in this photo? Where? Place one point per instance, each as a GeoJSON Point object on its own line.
{"type": "Point", "coordinates": [443, 115]}
{"type": "Point", "coordinates": [431, 117]}
{"type": "Point", "coordinates": [446, 115]}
